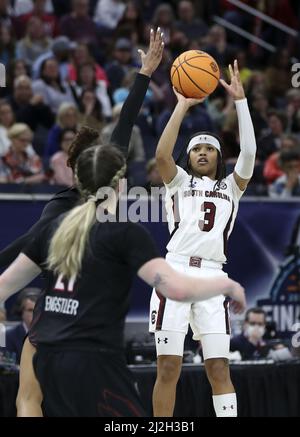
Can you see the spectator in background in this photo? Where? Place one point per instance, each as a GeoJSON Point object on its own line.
{"type": "Point", "coordinates": [259, 113]}
{"type": "Point", "coordinates": [15, 68]}
{"type": "Point", "coordinates": [131, 22]}
{"type": "Point", "coordinates": [90, 110]}
{"type": "Point", "coordinates": [86, 80]}
{"type": "Point", "coordinates": [40, 10]}
{"type": "Point", "coordinates": [193, 28]}
{"type": "Point", "coordinates": [293, 110]}
{"type": "Point", "coordinates": [250, 343]}
{"type": "Point", "coordinates": [136, 151]}
{"type": "Point", "coordinates": [78, 26]}
{"type": "Point", "coordinates": [61, 50]}
{"type": "Point", "coordinates": [16, 335]}
{"type": "Point", "coordinates": [29, 108]}
{"type": "Point", "coordinates": [272, 170]}
{"type": "Point", "coordinates": [80, 57]}
{"type": "Point", "coordinates": [279, 76]}
{"type": "Point", "coordinates": [7, 119]}
{"type": "Point", "coordinates": [7, 44]}
{"type": "Point", "coordinates": [5, 13]}
{"type": "Point", "coordinates": [288, 184]}
{"type": "Point", "coordinates": [217, 46]}
{"type": "Point", "coordinates": [270, 142]}
{"type": "Point", "coordinates": [179, 43]}
{"type": "Point", "coordinates": [62, 174]}
{"type": "Point", "coordinates": [67, 118]}
{"type": "Point", "coordinates": [165, 19]}
{"type": "Point", "coordinates": [219, 108]}
{"type": "Point", "coordinates": [34, 43]}
{"type": "Point", "coordinates": [20, 165]}
{"type": "Point", "coordinates": [108, 13]}
{"type": "Point", "coordinates": [257, 84]}
{"type": "Point", "coordinates": [153, 177]}
{"type": "Point", "coordinates": [51, 87]}
{"type": "Point", "coordinates": [121, 63]}
{"type": "Point", "coordinates": [22, 7]}
{"type": "Point", "coordinates": [245, 71]}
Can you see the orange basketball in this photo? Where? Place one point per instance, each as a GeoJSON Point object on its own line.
{"type": "Point", "coordinates": [195, 74]}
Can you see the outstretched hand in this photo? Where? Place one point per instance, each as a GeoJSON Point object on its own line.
{"type": "Point", "coordinates": [235, 89]}
{"type": "Point", "coordinates": [186, 100]}
{"type": "Point", "coordinates": [151, 59]}
{"type": "Point", "coordinates": [237, 293]}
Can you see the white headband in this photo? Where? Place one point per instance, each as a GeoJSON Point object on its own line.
{"type": "Point", "coordinates": [203, 139]}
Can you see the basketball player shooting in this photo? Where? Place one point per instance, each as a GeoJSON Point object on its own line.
{"type": "Point", "coordinates": [202, 204]}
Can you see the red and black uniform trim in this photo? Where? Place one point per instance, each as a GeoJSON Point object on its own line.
{"type": "Point", "coordinates": [161, 310]}
{"type": "Point", "coordinates": [226, 230]}
{"type": "Point", "coordinates": [226, 308]}
{"type": "Point", "coordinates": [175, 208]}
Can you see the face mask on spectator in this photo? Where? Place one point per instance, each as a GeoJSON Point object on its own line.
{"type": "Point", "coordinates": [255, 330]}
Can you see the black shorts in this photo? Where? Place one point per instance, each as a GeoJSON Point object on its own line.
{"type": "Point", "coordinates": [86, 384]}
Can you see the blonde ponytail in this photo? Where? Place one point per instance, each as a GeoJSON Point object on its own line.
{"type": "Point", "coordinates": [70, 240]}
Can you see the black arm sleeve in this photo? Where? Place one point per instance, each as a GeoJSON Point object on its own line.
{"type": "Point", "coordinates": [132, 105]}
{"type": "Point", "coordinates": [52, 210]}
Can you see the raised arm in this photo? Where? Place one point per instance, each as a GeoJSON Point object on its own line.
{"type": "Point", "coordinates": [245, 164]}
{"type": "Point", "coordinates": [132, 105]}
{"type": "Point", "coordinates": [164, 151]}
{"type": "Point", "coordinates": [19, 274]}
{"type": "Point", "coordinates": [177, 286]}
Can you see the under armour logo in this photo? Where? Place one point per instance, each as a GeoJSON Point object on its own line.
{"type": "Point", "coordinates": [225, 408]}
{"type": "Point", "coordinates": [165, 340]}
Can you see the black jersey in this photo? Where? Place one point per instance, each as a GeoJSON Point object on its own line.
{"type": "Point", "coordinates": [90, 310]}
{"type": "Point", "coordinates": [67, 199]}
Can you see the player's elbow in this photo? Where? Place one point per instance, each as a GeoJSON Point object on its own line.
{"type": "Point", "coordinates": [161, 156]}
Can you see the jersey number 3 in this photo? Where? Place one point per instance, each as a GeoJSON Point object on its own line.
{"type": "Point", "coordinates": [208, 221]}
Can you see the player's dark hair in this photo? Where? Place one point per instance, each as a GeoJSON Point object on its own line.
{"type": "Point", "coordinates": [64, 131]}
{"type": "Point", "coordinates": [96, 167]}
{"type": "Point", "coordinates": [84, 139]}
{"type": "Point", "coordinates": [221, 168]}
{"type": "Point", "coordinates": [255, 310]}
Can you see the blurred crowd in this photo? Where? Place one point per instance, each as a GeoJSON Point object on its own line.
{"type": "Point", "coordinates": [72, 62]}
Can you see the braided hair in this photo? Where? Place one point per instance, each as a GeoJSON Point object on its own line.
{"type": "Point", "coordinates": [96, 167]}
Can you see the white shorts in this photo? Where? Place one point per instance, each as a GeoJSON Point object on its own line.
{"type": "Point", "coordinates": [206, 317]}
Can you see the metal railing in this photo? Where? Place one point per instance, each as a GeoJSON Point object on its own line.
{"type": "Point", "coordinates": [258, 14]}
{"type": "Point", "coordinates": [244, 33]}
{"type": "Point", "coordinates": [264, 17]}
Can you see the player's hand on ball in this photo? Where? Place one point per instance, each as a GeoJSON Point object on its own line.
{"type": "Point", "coordinates": [237, 293]}
{"type": "Point", "coordinates": [235, 89]}
{"type": "Point", "coordinates": [151, 59]}
{"type": "Point", "coordinates": [187, 101]}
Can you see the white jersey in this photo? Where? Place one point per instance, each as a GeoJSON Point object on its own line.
{"type": "Point", "coordinates": [201, 217]}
